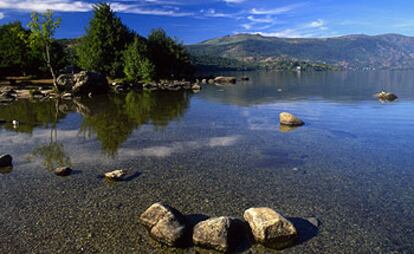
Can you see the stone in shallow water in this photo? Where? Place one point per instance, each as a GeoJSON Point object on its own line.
{"type": "Point", "coordinates": [386, 96]}
{"type": "Point", "coordinates": [225, 80]}
{"type": "Point", "coordinates": [270, 228]}
{"type": "Point", "coordinates": [221, 234]}
{"type": "Point", "coordinates": [116, 174]}
{"type": "Point", "coordinates": [290, 119]}
{"type": "Point", "coordinates": [6, 160]}
{"type": "Point", "coordinates": [165, 224]}
{"type": "Point", "coordinates": [196, 87]}
{"type": "Point", "coordinates": [63, 171]}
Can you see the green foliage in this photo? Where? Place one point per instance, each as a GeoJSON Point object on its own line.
{"type": "Point", "coordinates": [15, 56]}
{"type": "Point", "coordinates": [106, 38]}
{"type": "Point", "coordinates": [170, 58]}
{"type": "Point", "coordinates": [43, 27]}
{"type": "Point", "coordinates": [137, 66]}
{"type": "Point", "coordinates": [108, 47]}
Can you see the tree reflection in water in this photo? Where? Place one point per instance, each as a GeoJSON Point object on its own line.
{"type": "Point", "coordinates": [113, 118]}
{"type": "Point", "coordinates": [53, 153]}
{"type": "Point", "coordinates": [109, 118]}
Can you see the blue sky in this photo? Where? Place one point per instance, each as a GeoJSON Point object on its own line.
{"type": "Point", "coordinates": [195, 20]}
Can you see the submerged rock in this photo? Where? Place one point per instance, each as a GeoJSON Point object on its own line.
{"type": "Point", "coordinates": [245, 78]}
{"type": "Point", "coordinates": [63, 171]}
{"type": "Point", "coordinates": [116, 174]}
{"type": "Point", "coordinates": [221, 234]}
{"type": "Point", "coordinates": [386, 96]}
{"type": "Point", "coordinates": [289, 119]}
{"type": "Point", "coordinates": [270, 228]}
{"type": "Point", "coordinates": [225, 80]}
{"type": "Point", "coordinates": [165, 224]}
{"type": "Point", "coordinates": [6, 160]}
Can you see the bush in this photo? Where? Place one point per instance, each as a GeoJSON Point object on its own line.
{"type": "Point", "coordinates": [137, 66]}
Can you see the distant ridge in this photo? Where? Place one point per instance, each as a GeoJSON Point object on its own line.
{"type": "Point", "coordinates": [355, 51]}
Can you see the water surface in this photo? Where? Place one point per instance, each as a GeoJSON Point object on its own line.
{"type": "Point", "coordinates": [217, 152]}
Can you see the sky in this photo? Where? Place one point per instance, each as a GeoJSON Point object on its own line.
{"type": "Point", "coordinates": [192, 21]}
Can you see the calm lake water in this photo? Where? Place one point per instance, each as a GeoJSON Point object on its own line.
{"type": "Point", "coordinates": [217, 152]}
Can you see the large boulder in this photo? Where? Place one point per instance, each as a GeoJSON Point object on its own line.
{"type": "Point", "coordinates": [165, 224]}
{"type": "Point", "coordinates": [270, 228]}
{"type": "Point", "coordinates": [65, 82]}
{"type": "Point", "coordinates": [289, 119]}
{"type": "Point", "coordinates": [6, 160]}
{"type": "Point", "coordinates": [86, 82]}
{"type": "Point", "coordinates": [220, 234]}
{"type": "Point", "coordinates": [225, 80]}
{"type": "Point", "coordinates": [386, 96]}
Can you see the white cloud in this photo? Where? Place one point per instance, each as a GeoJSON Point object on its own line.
{"type": "Point", "coordinates": [275, 11]}
{"type": "Point", "coordinates": [81, 6]}
{"type": "Point", "coordinates": [267, 19]}
{"type": "Point", "coordinates": [215, 14]}
{"type": "Point", "coordinates": [315, 28]}
{"type": "Point", "coordinates": [234, 1]}
{"type": "Point", "coordinates": [317, 23]}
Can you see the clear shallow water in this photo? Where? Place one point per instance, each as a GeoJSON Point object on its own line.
{"type": "Point", "coordinates": [217, 152]}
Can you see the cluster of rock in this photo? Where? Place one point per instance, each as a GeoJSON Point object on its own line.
{"type": "Point", "coordinates": [172, 85]}
{"type": "Point", "coordinates": [167, 225]}
{"type": "Point", "coordinates": [7, 95]}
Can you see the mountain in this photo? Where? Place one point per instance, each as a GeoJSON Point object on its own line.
{"type": "Point", "coordinates": [347, 52]}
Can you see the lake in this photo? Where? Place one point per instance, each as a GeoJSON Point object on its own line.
{"type": "Point", "coordinates": [216, 152]}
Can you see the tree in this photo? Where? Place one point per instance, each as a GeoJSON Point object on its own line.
{"type": "Point", "coordinates": [170, 58]}
{"type": "Point", "coordinates": [43, 27]}
{"type": "Point", "coordinates": [137, 66]}
{"type": "Point", "coordinates": [105, 40]}
{"type": "Point", "coordinates": [14, 54]}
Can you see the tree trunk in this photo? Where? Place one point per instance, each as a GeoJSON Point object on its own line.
{"type": "Point", "coordinates": [49, 65]}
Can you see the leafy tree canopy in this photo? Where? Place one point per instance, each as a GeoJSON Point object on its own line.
{"type": "Point", "coordinates": [106, 38]}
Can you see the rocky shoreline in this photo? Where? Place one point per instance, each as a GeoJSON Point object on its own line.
{"type": "Point", "coordinates": [87, 83]}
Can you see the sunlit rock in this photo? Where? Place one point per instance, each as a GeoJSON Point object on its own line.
{"type": "Point", "coordinates": [89, 82]}
{"type": "Point", "coordinates": [116, 174]}
{"type": "Point", "coordinates": [165, 224]}
{"type": "Point", "coordinates": [225, 80]}
{"type": "Point", "coordinates": [386, 96]}
{"type": "Point", "coordinates": [289, 119]}
{"type": "Point", "coordinates": [196, 87]}
{"type": "Point", "coordinates": [270, 228]}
